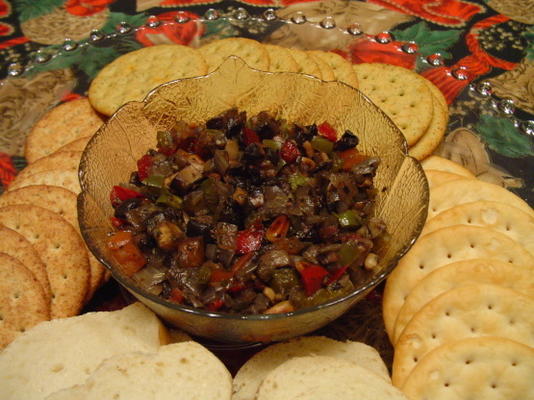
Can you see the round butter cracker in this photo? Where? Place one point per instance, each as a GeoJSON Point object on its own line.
{"type": "Point", "coordinates": [60, 248]}
{"type": "Point", "coordinates": [253, 53]}
{"type": "Point", "coordinates": [63, 124]}
{"type": "Point", "coordinates": [67, 179]}
{"type": "Point", "coordinates": [489, 368]}
{"type": "Point", "coordinates": [401, 93]}
{"type": "Point", "coordinates": [23, 303]}
{"type": "Point", "coordinates": [451, 276]}
{"type": "Point", "coordinates": [280, 59]}
{"type": "Point", "coordinates": [436, 178]}
{"type": "Point", "coordinates": [442, 247]}
{"type": "Point", "coordinates": [342, 68]}
{"type": "Point", "coordinates": [131, 76]}
{"type": "Point", "coordinates": [467, 311]}
{"type": "Point", "coordinates": [65, 160]}
{"type": "Point", "coordinates": [446, 165]}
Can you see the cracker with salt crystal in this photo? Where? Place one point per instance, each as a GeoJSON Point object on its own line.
{"type": "Point", "coordinates": [250, 51]}
{"type": "Point", "coordinates": [280, 59]}
{"type": "Point", "coordinates": [67, 179]}
{"type": "Point", "coordinates": [501, 217]}
{"type": "Point", "coordinates": [436, 178]}
{"type": "Point", "coordinates": [131, 76]}
{"type": "Point", "coordinates": [62, 202]}
{"type": "Point", "coordinates": [23, 303]}
{"type": "Point", "coordinates": [342, 68]}
{"type": "Point", "coordinates": [60, 248]}
{"type": "Point", "coordinates": [463, 191]}
{"type": "Point", "coordinates": [494, 272]}
{"type": "Point", "coordinates": [467, 311]}
{"type": "Point", "coordinates": [61, 125]}
{"type": "Point", "coordinates": [444, 164]}
{"type": "Point", "coordinates": [65, 160]}
{"type": "Point", "coordinates": [489, 368]}
{"type": "Point", "coordinates": [401, 93]}
{"type": "Point", "coordinates": [15, 245]}
{"type": "Point", "coordinates": [442, 247]}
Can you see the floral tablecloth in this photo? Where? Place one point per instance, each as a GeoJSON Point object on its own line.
{"type": "Point", "coordinates": [491, 131]}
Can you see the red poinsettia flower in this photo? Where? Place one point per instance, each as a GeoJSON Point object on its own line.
{"type": "Point", "coordinates": [7, 169]}
{"type": "Point", "coordinates": [5, 9]}
{"type": "Point", "coordinates": [167, 3]}
{"type": "Point", "coordinates": [370, 51]}
{"type": "Point", "coordinates": [84, 8]}
{"type": "Point", "coordinates": [171, 32]}
{"type": "Point", "coordinates": [5, 29]}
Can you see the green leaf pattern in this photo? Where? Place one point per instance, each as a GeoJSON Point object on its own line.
{"type": "Point", "coordinates": [502, 137]}
{"type": "Point", "coordinates": [429, 41]}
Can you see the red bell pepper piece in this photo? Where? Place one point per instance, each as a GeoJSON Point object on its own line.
{"type": "Point", "coordinates": [143, 166]}
{"type": "Point", "coordinates": [312, 276]}
{"type": "Point", "coordinates": [289, 151]}
{"type": "Point", "coordinates": [176, 296]}
{"type": "Point", "coordinates": [351, 158]}
{"type": "Point", "coordinates": [219, 275]}
{"type": "Point", "coordinates": [117, 222]}
{"type": "Point", "coordinates": [337, 274]}
{"type": "Point", "coordinates": [119, 194]}
{"type": "Point", "coordinates": [242, 262]}
{"type": "Point", "coordinates": [278, 229]}
{"type": "Point", "coordinates": [215, 305]}
{"type": "Point", "coordinates": [249, 240]}
{"type": "Point", "coordinates": [326, 130]}
{"type": "Point", "coordinates": [249, 136]}
{"type": "Point", "coordinates": [126, 252]}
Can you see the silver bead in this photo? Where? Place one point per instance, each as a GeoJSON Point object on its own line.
{"type": "Point", "coordinates": [41, 58]}
{"type": "Point", "coordinates": [460, 74]}
{"type": "Point", "coordinates": [484, 88]}
{"type": "Point", "coordinates": [212, 14]}
{"type": "Point", "coordinates": [435, 60]}
{"type": "Point", "coordinates": [384, 37]}
{"type": "Point", "coordinates": [269, 15]}
{"type": "Point", "coordinates": [354, 29]}
{"type": "Point", "coordinates": [410, 48]}
{"type": "Point", "coordinates": [299, 18]}
{"type": "Point", "coordinates": [506, 106]}
{"type": "Point", "coordinates": [69, 45]}
{"type": "Point", "coordinates": [96, 36]}
{"type": "Point", "coordinates": [328, 23]}
{"type": "Point", "coordinates": [124, 28]}
{"type": "Point", "coordinates": [153, 22]}
{"type": "Point", "coordinates": [15, 69]}
{"type": "Point", "coordinates": [528, 127]}
{"type": "Point", "coordinates": [182, 18]}
{"type": "Point", "coordinates": [241, 14]}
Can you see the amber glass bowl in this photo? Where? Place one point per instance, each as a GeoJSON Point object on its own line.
{"type": "Point", "coordinates": [111, 156]}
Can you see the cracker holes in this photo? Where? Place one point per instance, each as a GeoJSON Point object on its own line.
{"type": "Point", "coordinates": [36, 236]}
{"type": "Point", "coordinates": [415, 359]}
{"type": "Point", "coordinates": [514, 363]}
{"type": "Point", "coordinates": [365, 76]}
{"type": "Point", "coordinates": [22, 330]}
{"type": "Point", "coordinates": [446, 384]}
{"type": "Point", "coordinates": [469, 220]}
{"type": "Point", "coordinates": [421, 266]}
{"type": "Point", "coordinates": [433, 336]}
{"type": "Point", "coordinates": [412, 105]}
{"type": "Point", "coordinates": [57, 368]}
{"type": "Point", "coordinates": [490, 306]}
{"type": "Point", "coordinates": [449, 255]}
{"type": "Point", "coordinates": [447, 313]}
{"type": "Point", "coordinates": [493, 386]}
{"type": "Point", "coordinates": [183, 360]}
{"type": "Point", "coordinates": [472, 245]}
{"type": "Point", "coordinates": [467, 362]}
{"type": "Point", "coordinates": [393, 80]}
{"type": "Point", "coordinates": [57, 246]}
{"type": "Point", "coordinates": [64, 276]}
{"type": "Point", "coordinates": [472, 329]}
{"type": "Point", "coordinates": [511, 322]}
{"type": "Point", "coordinates": [508, 228]}
{"type": "Point", "coordinates": [16, 295]}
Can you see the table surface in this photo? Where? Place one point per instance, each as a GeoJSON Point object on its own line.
{"type": "Point", "coordinates": [478, 41]}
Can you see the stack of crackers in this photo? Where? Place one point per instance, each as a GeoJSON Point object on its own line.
{"type": "Point", "coordinates": [46, 269]}
{"type": "Point", "coordinates": [459, 307]}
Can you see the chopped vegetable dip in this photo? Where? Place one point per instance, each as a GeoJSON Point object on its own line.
{"type": "Point", "coordinates": [249, 215]}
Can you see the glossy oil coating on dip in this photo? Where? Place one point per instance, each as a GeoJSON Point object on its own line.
{"type": "Point", "coordinates": [249, 215]}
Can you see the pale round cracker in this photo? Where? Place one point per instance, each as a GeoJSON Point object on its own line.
{"type": "Point", "coordinates": [61, 249]}
{"type": "Point", "coordinates": [327, 73]}
{"type": "Point", "coordinates": [251, 374]}
{"type": "Point", "coordinates": [15, 245]}
{"type": "Point", "coordinates": [67, 179]}
{"type": "Point", "coordinates": [464, 191]}
{"type": "Point", "coordinates": [467, 311]}
{"type": "Point", "coordinates": [401, 93]}
{"type": "Point", "coordinates": [76, 145]}
{"type": "Point", "coordinates": [323, 377]}
{"type": "Point", "coordinates": [436, 178]}
{"type": "Point", "coordinates": [280, 59]}
{"type": "Point", "coordinates": [488, 368]}
{"type": "Point", "coordinates": [131, 76]}
{"type": "Point", "coordinates": [62, 202]}
{"type": "Point", "coordinates": [23, 303]}
{"type": "Point", "coordinates": [306, 64]}
{"type": "Point", "coordinates": [494, 272]}
{"type": "Point", "coordinates": [442, 247]}
{"type": "Point", "coordinates": [342, 68]}
{"type": "Point", "coordinates": [511, 221]}
{"type": "Point", "coordinates": [250, 51]}
{"type": "Point", "coordinates": [67, 160]}
{"type": "Point", "coordinates": [435, 132]}
{"type": "Point", "coordinates": [446, 165]}
{"type": "Point", "coordinates": [61, 125]}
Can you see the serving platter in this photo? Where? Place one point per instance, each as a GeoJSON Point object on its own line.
{"type": "Point", "coordinates": [61, 72]}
